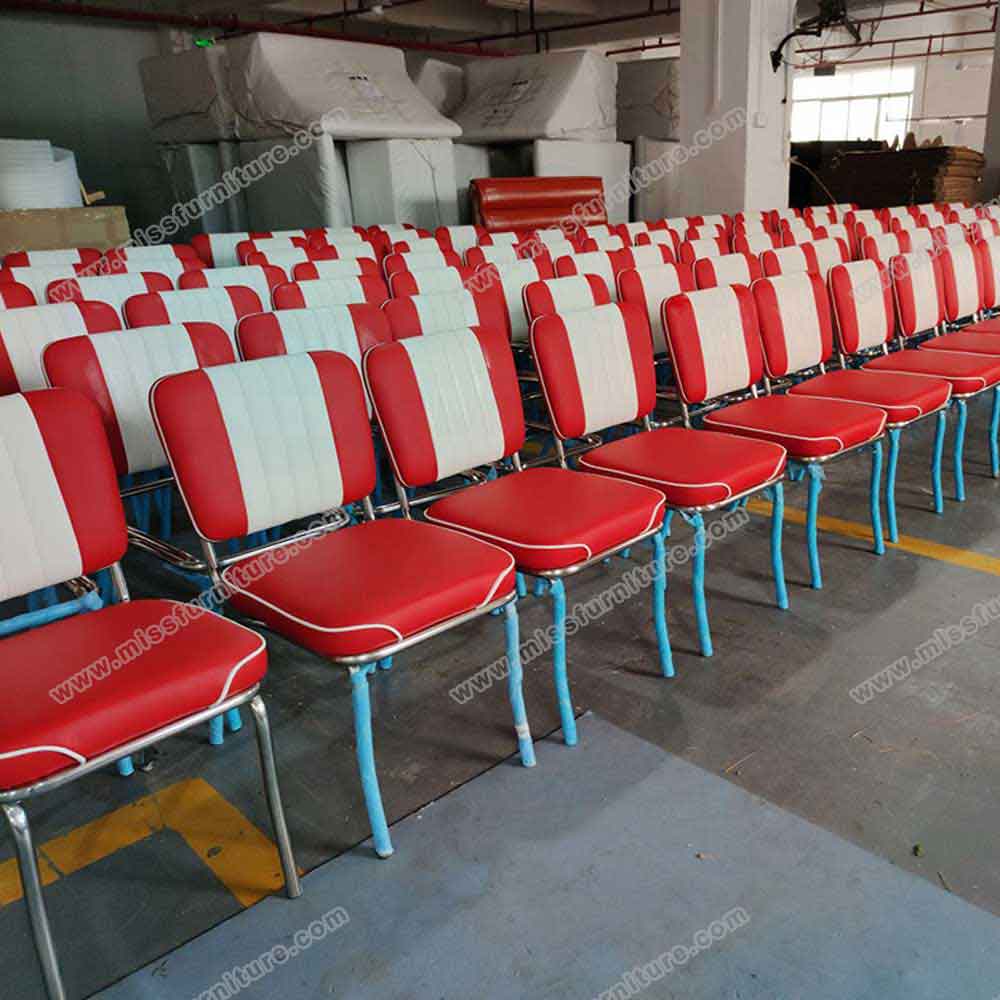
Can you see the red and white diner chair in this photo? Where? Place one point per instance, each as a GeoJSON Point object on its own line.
{"type": "Point", "coordinates": [597, 372]}
{"type": "Point", "coordinates": [648, 288]}
{"type": "Point", "coordinates": [597, 262]}
{"type": "Point", "coordinates": [486, 254]}
{"type": "Point", "coordinates": [606, 243]}
{"type": "Point", "coordinates": [425, 315]}
{"type": "Point", "coordinates": [864, 222]}
{"type": "Point", "coordinates": [419, 260]}
{"type": "Point", "coordinates": [16, 296]}
{"type": "Point", "coordinates": [58, 725]}
{"type": "Point", "coordinates": [730, 269]}
{"type": "Point", "coordinates": [354, 596]}
{"type": "Point", "coordinates": [666, 237]}
{"type": "Point", "coordinates": [417, 244]}
{"type": "Point", "coordinates": [555, 296]}
{"type": "Point", "coordinates": [796, 231]}
{"type": "Point", "coordinates": [346, 267]}
{"type": "Point", "coordinates": [756, 243]}
{"type": "Point", "coordinates": [723, 221]}
{"type": "Point", "coordinates": [84, 256]}
{"type": "Point", "coordinates": [223, 306]}
{"type": "Point", "coordinates": [885, 246]}
{"type": "Point", "coordinates": [715, 343]}
{"type": "Point", "coordinates": [706, 232]}
{"type": "Point", "coordinates": [432, 282]}
{"type": "Point", "coordinates": [458, 239]}
{"type": "Point", "coordinates": [218, 249]}
{"type": "Point", "coordinates": [552, 521]}
{"type": "Point", "coordinates": [983, 229]}
{"type": "Point", "coordinates": [113, 289]}
{"type": "Point", "coordinates": [329, 292]}
{"type": "Point", "coordinates": [263, 279]}
{"type": "Point", "coordinates": [692, 250]}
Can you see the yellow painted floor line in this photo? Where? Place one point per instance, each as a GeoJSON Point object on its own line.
{"type": "Point", "coordinates": [239, 854]}
{"type": "Point", "coordinates": [965, 558]}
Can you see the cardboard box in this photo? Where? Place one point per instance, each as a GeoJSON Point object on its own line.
{"type": "Point", "coordinates": [100, 226]}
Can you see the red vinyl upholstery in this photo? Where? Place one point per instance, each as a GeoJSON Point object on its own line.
{"type": "Point", "coordinates": [348, 267]}
{"type": "Point", "coordinates": [261, 278]}
{"type": "Point", "coordinates": [329, 292]}
{"type": "Point", "coordinates": [885, 246]}
{"type": "Point", "coordinates": [218, 249]}
{"type": "Point", "coordinates": [16, 296]}
{"type": "Point", "coordinates": [459, 239]}
{"type": "Point", "coordinates": [419, 315]}
{"type": "Point", "coordinates": [754, 244]}
{"type": "Point", "coordinates": [116, 371]}
{"type": "Point", "coordinates": [223, 306]}
{"type": "Point", "coordinates": [503, 203]}
{"type": "Point", "coordinates": [649, 288]}
{"type": "Point", "coordinates": [729, 269]}
{"type": "Point", "coordinates": [420, 260]}
{"type": "Point", "coordinates": [113, 289]}
{"type": "Point", "coordinates": [52, 258]}
{"type": "Point", "coordinates": [918, 290]}
{"type": "Point", "coordinates": [432, 282]}
{"type": "Point", "coordinates": [692, 250]}
{"type": "Point", "coordinates": [861, 295]}
{"type": "Point", "coordinates": [555, 296]}
{"type": "Point", "coordinates": [962, 278]}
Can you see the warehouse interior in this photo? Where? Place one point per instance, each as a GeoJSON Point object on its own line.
{"type": "Point", "coordinates": [495, 499]}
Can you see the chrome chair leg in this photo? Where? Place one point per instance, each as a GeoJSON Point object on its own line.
{"type": "Point", "coordinates": [17, 819]}
{"type": "Point", "coordinates": [293, 887]}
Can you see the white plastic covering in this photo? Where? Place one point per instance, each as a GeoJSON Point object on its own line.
{"type": "Point", "coordinates": [442, 83]}
{"type": "Point", "coordinates": [36, 174]}
{"type": "Point", "coordinates": [470, 162]}
{"type": "Point", "coordinates": [283, 83]}
{"type": "Point", "coordinates": [552, 95]}
{"type": "Point", "coordinates": [411, 180]}
{"type": "Point", "coordinates": [607, 160]}
{"type": "Point", "coordinates": [187, 96]}
{"type": "Point", "coordinates": [648, 99]}
{"type": "Point", "coordinates": [195, 168]}
{"type": "Point", "coordinates": [308, 190]}
{"type": "Point", "coordinates": [661, 199]}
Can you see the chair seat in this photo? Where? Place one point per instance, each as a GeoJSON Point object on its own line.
{"type": "Point", "coordinates": [985, 344]}
{"type": "Point", "coordinates": [550, 519]}
{"type": "Point", "coordinates": [807, 428]}
{"type": "Point", "coordinates": [967, 373]}
{"type": "Point", "coordinates": [361, 589]}
{"type": "Point", "coordinates": [903, 397]}
{"type": "Point", "coordinates": [188, 664]}
{"type": "Point", "coordinates": [984, 326]}
{"type": "Point", "coordinates": [692, 468]}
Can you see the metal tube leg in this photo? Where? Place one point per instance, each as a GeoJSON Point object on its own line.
{"type": "Point", "coordinates": [366, 760]}
{"type": "Point", "coordinates": [938, 454]}
{"type": "Point", "coordinates": [558, 590]}
{"type": "Point", "coordinates": [293, 887]}
{"type": "Point", "coordinates": [660, 604]}
{"type": "Point", "coordinates": [957, 455]}
{"type": "Point", "coordinates": [890, 484]}
{"type": "Point", "coordinates": [994, 430]}
{"type": "Point", "coordinates": [815, 473]}
{"type": "Point", "coordinates": [515, 676]}
{"type": "Point", "coordinates": [777, 495]}
{"type": "Point", "coordinates": [30, 882]}
{"type": "Point", "coordinates": [698, 583]}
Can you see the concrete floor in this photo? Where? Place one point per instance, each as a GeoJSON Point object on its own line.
{"type": "Point", "coordinates": [770, 712]}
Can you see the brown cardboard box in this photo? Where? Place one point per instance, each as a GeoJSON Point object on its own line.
{"type": "Point", "coordinates": [99, 226]}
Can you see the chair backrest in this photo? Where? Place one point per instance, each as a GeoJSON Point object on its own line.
{"type": "Point", "coordinates": [904, 223]}
{"type": "Point", "coordinates": [752, 227]}
{"type": "Point", "coordinates": [417, 244]}
{"type": "Point", "coordinates": [795, 231]}
{"type": "Point", "coordinates": [283, 259]}
{"type": "Point", "coordinates": [484, 255]}
{"type": "Point", "coordinates": [596, 367]}
{"type": "Point", "coordinates": [260, 443]}
{"type": "Point", "coordinates": [347, 267]}
{"type": "Point", "coordinates": [627, 229]}
{"type": "Point", "coordinates": [223, 306]}
{"type": "Point", "coordinates": [921, 238]}
{"type": "Point", "coordinates": [351, 330]}
{"type": "Point", "coordinates": [649, 287]}
{"type": "Point", "coordinates": [824, 254]}
{"type": "Point", "coordinates": [62, 516]}
{"type": "Point", "coordinates": [931, 218]}
{"type": "Point", "coordinates": [261, 278]}
{"type": "Point", "coordinates": [420, 260]}
{"type": "Point", "coordinates": [599, 262]}
{"type": "Point", "coordinates": [989, 263]}
{"type": "Point", "coordinates": [982, 229]}
{"type": "Point", "coordinates": [555, 296]}
{"type": "Point", "coordinates": [950, 234]}
{"type": "Point", "coordinates": [665, 237]}
{"type": "Point", "coordinates": [146, 255]}
{"type": "Point", "coordinates": [506, 283]}
{"type": "Point", "coordinates": [706, 232]}
{"type": "Point", "coordinates": [834, 231]}
{"type": "Point", "coordinates": [785, 260]}
{"type": "Point", "coordinates": [885, 246]}
{"type": "Point", "coordinates": [116, 371]}
{"type": "Point", "coordinates": [750, 220]}
{"type": "Point", "coordinates": [218, 249]}
{"type": "Point", "coordinates": [532, 248]}
{"type": "Point", "coordinates": [918, 291]}
{"type": "Point", "coordinates": [458, 239]}
{"type": "Point", "coordinates": [422, 315]}
{"type": "Point", "coordinates": [269, 245]}
{"type": "Point", "coordinates": [796, 327]}
{"type": "Point", "coordinates": [962, 277]}
{"type": "Point", "coordinates": [900, 212]}
{"type": "Point", "coordinates": [36, 278]}
{"type": "Point", "coordinates": [113, 290]}
{"type": "Point", "coordinates": [443, 279]}
{"type": "Point", "coordinates": [329, 292]}
{"type": "Point", "coordinates": [723, 221]}
{"type": "Point", "coordinates": [865, 222]}
{"type": "Point", "coordinates": [778, 215]}
{"type": "Point", "coordinates": [506, 238]}
{"type": "Point", "coordinates": [24, 334]}
{"type": "Point", "coordinates": [692, 250]}
{"type": "Point", "coordinates": [51, 258]}
{"type": "Point", "coordinates": [755, 243]}
{"type": "Point", "coordinates": [16, 296]}
{"type": "Point", "coordinates": [652, 255]}
{"type": "Point", "coordinates": [730, 269]}
{"type": "Point", "coordinates": [714, 342]}
{"type": "Point", "coordinates": [963, 215]}
{"type": "Point", "coordinates": [447, 403]}
{"type": "Point", "coordinates": [861, 295]}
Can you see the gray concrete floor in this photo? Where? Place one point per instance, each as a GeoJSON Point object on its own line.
{"type": "Point", "coordinates": [770, 711]}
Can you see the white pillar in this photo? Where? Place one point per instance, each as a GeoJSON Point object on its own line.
{"type": "Point", "coordinates": [725, 80]}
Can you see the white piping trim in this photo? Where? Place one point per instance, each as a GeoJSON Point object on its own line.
{"type": "Point", "coordinates": [72, 754]}
{"type": "Point", "coordinates": [947, 378]}
{"type": "Point", "coordinates": [501, 538]}
{"type": "Point", "coordinates": [880, 406]}
{"type": "Point", "coordinates": [797, 437]}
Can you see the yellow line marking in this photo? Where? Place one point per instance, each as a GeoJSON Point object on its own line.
{"type": "Point", "coordinates": [242, 858]}
{"type": "Point", "coordinates": [907, 543]}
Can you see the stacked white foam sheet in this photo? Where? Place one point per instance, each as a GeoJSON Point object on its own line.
{"type": "Point", "coordinates": [648, 99]}
{"type": "Point", "coordinates": [471, 162]}
{"type": "Point", "coordinates": [36, 174]}
{"type": "Point", "coordinates": [552, 95]}
{"type": "Point", "coordinates": [308, 189]}
{"type": "Point", "coordinates": [608, 160]}
{"type": "Point", "coordinates": [403, 179]}
{"type": "Point", "coordinates": [661, 197]}
{"type": "Point", "coordinates": [283, 83]}
{"type": "Point", "coordinates": [442, 83]}
{"type": "Point", "coordinates": [187, 96]}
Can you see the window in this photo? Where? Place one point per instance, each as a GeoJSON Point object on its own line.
{"type": "Point", "coordinates": [866, 104]}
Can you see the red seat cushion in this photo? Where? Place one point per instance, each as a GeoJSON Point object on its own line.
{"type": "Point", "coordinates": [692, 468]}
{"type": "Point", "coordinates": [358, 590]}
{"type": "Point", "coordinates": [963, 340]}
{"type": "Point", "coordinates": [984, 326]}
{"type": "Point", "coordinates": [903, 397]}
{"type": "Point", "coordinates": [967, 373]}
{"type": "Point", "coordinates": [194, 659]}
{"type": "Point", "coordinates": [552, 518]}
{"type": "Point", "coordinates": [808, 428]}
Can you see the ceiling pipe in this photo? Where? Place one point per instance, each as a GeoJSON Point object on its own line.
{"type": "Point", "coordinates": [231, 25]}
{"type": "Point", "coordinates": [820, 49]}
{"type": "Point", "coordinates": [984, 5]}
{"type": "Point", "coordinates": [643, 47]}
{"type": "Point", "coordinates": [883, 59]}
{"type": "Point", "coordinates": [600, 22]}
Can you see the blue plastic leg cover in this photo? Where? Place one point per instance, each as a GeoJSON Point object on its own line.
{"type": "Point", "coordinates": [815, 474]}
{"type": "Point", "coordinates": [874, 499]}
{"type": "Point", "coordinates": [776, 494]}
{"type": "Point", "coordinates": [936, 458]}
{"type": "Point", "coordinates": [890, 484]}
{"type": "Point", "coordinates": [515, 676]}
{"type": "Point", "coordinates": [957, 455]}
{"type": "Point", "coordinates": [660, 604]}
{"type": "Point", "coordinates": [366, 759]}
{"type": "Point", "coordinates": [994, 429]}
{"type": "Point", "coordinates": [698, 583]}
{"type": "Point", "coordinates": [558, 591]}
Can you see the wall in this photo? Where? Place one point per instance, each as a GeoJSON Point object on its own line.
{"type": "Point", "coordinates": [76, 82]}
